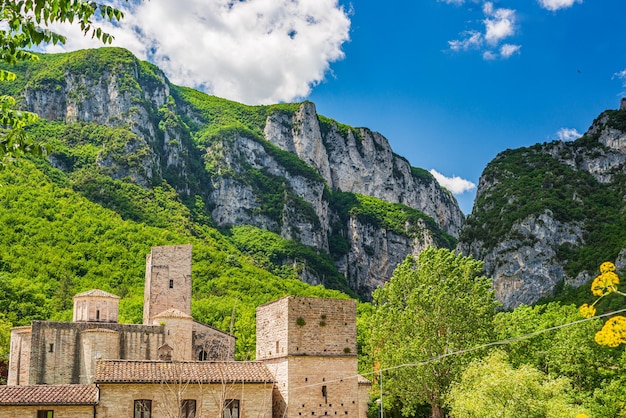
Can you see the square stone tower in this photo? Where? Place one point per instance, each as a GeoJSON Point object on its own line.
{"type": "Point", "coordinates": [309, 344]}
{"type": "Point", "coordinates": [168, 281]}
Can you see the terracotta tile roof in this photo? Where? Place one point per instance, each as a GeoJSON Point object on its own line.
{"type": "Point", "coordinates": [172, 313]}
{"type": "Point", "coordinates": [98, 293]}
{"type": "Point", "coordinates": [130, 371]}
{"type": "Point", "coordinates": [49, 395]}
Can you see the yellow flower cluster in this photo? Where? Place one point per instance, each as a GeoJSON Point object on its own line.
{"type": "Point", "coordinates": [587, 311]}
{"type": "Point", "coordinates": [582, 416]}
{"type": "Point", "coordinates": [606, 267]}
{"type": "Point", "coordinates": [605, 283]}
{"type": "Point", "coordinates": [613, 333]}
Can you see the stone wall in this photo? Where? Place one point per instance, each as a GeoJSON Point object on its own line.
{"type": "Point", "coordinates": [117, 400]}
{"type": "Point", "coordinates": [59, 411]}
{"type": "Point", "coordinates": [53, 352]}
{"type": "Point", "coordinates": [309, 345]}
{"type": "Point", "coordinates": [19, 357]}
{"type": "Point", "coordinates": [168, 281]}
{"type": "Point", "coordinates": [215, 343]}
{"type": "Point", "coordinates": [306, 326]}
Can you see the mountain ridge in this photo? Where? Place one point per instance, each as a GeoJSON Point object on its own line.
{"type": "Point", "coordinates": [282, 167]}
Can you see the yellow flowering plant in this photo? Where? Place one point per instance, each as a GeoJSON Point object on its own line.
{"type": "Point", "coordinates": [613, 333]}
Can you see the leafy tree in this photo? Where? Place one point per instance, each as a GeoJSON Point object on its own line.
{"type": "Point", "coordinates": [434, 305]}
{"type": "Point", "coordinates": [569, 351]}
{"type": "Point", "coordinates": [22, 19]}
{"type": "Point", "coordinates": [492, 388]}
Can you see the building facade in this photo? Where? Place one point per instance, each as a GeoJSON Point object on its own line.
{"type": "Point", "coordinates": [174, 366]}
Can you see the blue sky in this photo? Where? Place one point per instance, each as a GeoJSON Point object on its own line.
{"type": "Point", "coordinates": [448, 83]}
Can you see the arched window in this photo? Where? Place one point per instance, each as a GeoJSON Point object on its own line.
{"type": "Point", "coordinates": [203, 355]}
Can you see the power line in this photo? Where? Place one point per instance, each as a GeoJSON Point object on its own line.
{"type": "Point", "coordinates": [467, 350]}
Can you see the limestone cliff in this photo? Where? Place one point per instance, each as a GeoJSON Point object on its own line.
{"type": "Point", "coordinates": [548, 215]}
{"type": "Point", "coordinates": [283, 168]}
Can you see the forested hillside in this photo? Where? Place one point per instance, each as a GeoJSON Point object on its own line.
{"type": "Point", "coordinates": [136, 162]}
{"type": "Point", "coordinates": [546, 216]}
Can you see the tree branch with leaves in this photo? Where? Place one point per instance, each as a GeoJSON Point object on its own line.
{"type": "Point", "coordinates": [24, 26]}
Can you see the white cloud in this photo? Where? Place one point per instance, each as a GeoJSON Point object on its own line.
{"type": "Point", "coordinates": [507, 50]}
{"type": "Point", "coordinates": [499, 24]}
{"type": "Point", "coordinates": [255, 52]}
{"type": "Point", "coordinates": [489, 56]}
{"type": "Point", "coordinates": [554, 5]}
{"type": "Point", "coordinates": [472, 40]}
{"type": "Point", "coordinates": [621, 75]}
{"type": "Point", "coordinates": [455, 184]}
{"type": "Point", "coordinates": [568, 134]}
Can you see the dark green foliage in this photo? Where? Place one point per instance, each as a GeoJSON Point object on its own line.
{"type": "Point", "coordinates": [287, 258]}
{"type": "Point", "coordinates": [529, 181]}
{"type": "Point", "coordinates": [399, 218]}
{"type": "Point", "coordinates": [55, 243]}
{"type": "Point", "coordinates": [422, 175]}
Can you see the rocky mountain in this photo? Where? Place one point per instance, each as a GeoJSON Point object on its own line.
{"type": "Point", "coordinates": [547, 216]}
{"type": "Point", "coordinates": [338, 190]}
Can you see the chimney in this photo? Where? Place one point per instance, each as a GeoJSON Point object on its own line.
{"type": "Point", "coordinates": [622, 105]}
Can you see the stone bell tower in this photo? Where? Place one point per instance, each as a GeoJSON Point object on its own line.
{"type": "Point", "coordinates": [622, 105]}
{"type": "Point", "coordinates": [168, 281]}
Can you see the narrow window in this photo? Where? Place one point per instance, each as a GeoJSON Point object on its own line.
{"type": "Point", "coordinates": [97, 314]}
{"type": "Point", "coordinates": [277, 346]}
{"type": "Point", "coordinates": [143, 408]}
{"type": "Point", "coordinates": [231, 408]}
{"type": "Point", "coordinates": [325, 393]}
{"type": "Point", "coordinates": [48, 413]}
{"type": "Point", "coordinates": [188, 408]}
{"type": "Point", "coordinates": [51, 348]}
{"type": "Point", "coordinates": [171, 284]}
{"type": "Point", "coordinates": [203, 356]}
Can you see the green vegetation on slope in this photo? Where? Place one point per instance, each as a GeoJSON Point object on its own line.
{"type": "Point", "coordinates": [55, 243]}
{"type": "Point", "coordinates": [395, 217]}
{"type": "Point", "coordinates": [529, 181]}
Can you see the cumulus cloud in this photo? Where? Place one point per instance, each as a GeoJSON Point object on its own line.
{"type": "Point", "coordinates": [554, 5]}
{"type": "Point", "coordinates": [568, 134]}
{"type": "Point", "coordinates": [455, 184]}
{"type": "Point", "coordinates": [255, 52]}
{"type": "Point", "coordinates": [507, 50]}
{"type": "Point", "coordinates": [471, 40]}
{"type": "Point", "coordinates": [499, 24]}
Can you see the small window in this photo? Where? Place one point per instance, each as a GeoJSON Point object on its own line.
{"type": "Point", "coordinates": [98, 315]}
{"type": "Point", "coordinates": [188, 408]}
{"type": "Point", "coordinates": [48, 413]}
{"type": "Point", "coordinates": [325, 393]}
{"type": "Point", "coordinates": [143, 408]}
{"type": "Point", "coordinates": [171, 284]}
{"type": "Point", "coordinates": [51, 348]}
{"type": "Point", "coordinates": [203, 355]}
{"type": "Point", "coordinates": [231, 408]}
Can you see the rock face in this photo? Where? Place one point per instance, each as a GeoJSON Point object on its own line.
{"type": "Point", "coordinates": [279, 174]}
{"type": "Point", "coordinates": [548, 199]}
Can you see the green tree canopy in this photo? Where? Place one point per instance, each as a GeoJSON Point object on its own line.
{"type": "Point", "coordinates": [25, 22]}
{"type": "Point", "coordinates": [492, 388]}
{"type": "Point", "coordinates": [434, 305]}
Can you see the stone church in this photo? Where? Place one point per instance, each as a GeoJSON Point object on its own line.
{"type": "Point", "coordinates": [174, 366]}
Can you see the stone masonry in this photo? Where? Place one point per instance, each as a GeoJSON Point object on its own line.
{"type": "Point", "coordinates": [168, 281]}
{"type": "Point", "coordinates": [306, 349]}
{"type": "Point", "coordinates": [309, 344]}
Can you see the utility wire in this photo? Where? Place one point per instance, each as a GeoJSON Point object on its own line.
{"type": "Point", "coordinates": [467, 350]}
